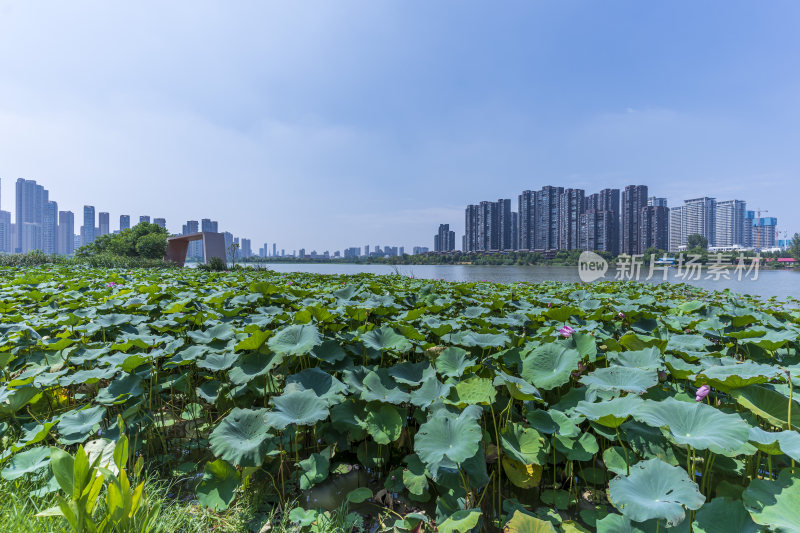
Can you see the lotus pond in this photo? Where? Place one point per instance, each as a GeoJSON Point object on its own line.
{"type": "Point", "coordinates": [419, 405]}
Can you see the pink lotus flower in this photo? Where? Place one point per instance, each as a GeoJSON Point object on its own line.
{"type": "Point", "coordinates": [621, 315]}
{"type": "Point", "coordinates": [112, 284]}
{"type": "Point", "coordinates": [549, 305]}
{"type": "Point", "coordinates": [701, 393]}
{"type": "Point", "coordinates": [566, 332]}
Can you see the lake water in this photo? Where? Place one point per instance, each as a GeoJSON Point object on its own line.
{"type": "Point", "coordinates": [779, 283]}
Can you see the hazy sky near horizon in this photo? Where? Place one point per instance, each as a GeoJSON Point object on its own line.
{"type": "Point", "coordinates": [325, 125]}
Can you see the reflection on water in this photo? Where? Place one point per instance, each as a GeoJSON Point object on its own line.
{"type": "Point", "coordinates": [779, 283]}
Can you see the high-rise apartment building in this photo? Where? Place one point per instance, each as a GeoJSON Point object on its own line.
{"type": "Point", "coordinates": [87, 230]}
{"type": "Point", "coordinates": [487, 227]}
{"type": "Point", "coordinates": [144, 218]}
{"type": "Point", "coordinates": [504, 224]}
{"type": "Point", "coordinates": [247, 249]}
{"type": "Point", "coordinates": [526, 206]}
{"type": "Point", "coordinates": [5, 232]}
{"type": "Point", "coordinates": [598, 230]}
{"type": "Point", "coordinates": [124, 222]}
{"type": "Point", "coordinates": [699, 217]}
{"type": "Point", "coordinates": [547, 218]}
{"type": "Point", "coordinates": [103, 223]}
{"type": "Point", "coordinates": [654, 227]}
{"type": "Point", "coordinates": [570, 211]}
{"type": "Point", "coordinates": [515, 230]}
{"type": "Point", "coordinates": [634, 198]}
{"type": "Point", "coordinates": [677, 232]}
{"type": "Point", "coordinates": [30, 201]}
{"type": "Point", "coordinates": [470, 241]}
{"type": "Point", "coordinates": [654, 201]}
{"type": "Point", "coordinates": [160, 222]}
{"type": "Point", "coordinates": [749, 222]}
{"type": "Point", "coordinates": [765, 231]}
{"type": "Point", "coordinates": [50, 228]}
{"type": "Point", "coordinates": [730, 220]}
{"type": "Point", "coordinates": [445, 239]}
{"type": "Point", "coordinates": [66, 233]}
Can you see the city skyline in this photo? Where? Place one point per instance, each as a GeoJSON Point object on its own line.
{"type": "Point", "coordinates": [377, 124]}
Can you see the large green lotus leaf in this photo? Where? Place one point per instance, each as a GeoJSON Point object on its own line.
{"type": "Point", "coordinates": [694, 423]}
{"type": "Point", "coordinates": [648, 442]}
{"type": "Point", "coordinates": [552, 421]}
{"type": "Point", "coordinates": [585, 344]}
{"type": "Point", "coordinates": [217, 361]}
{"type": "Point", "coordinates": [635, 341]}
{"type": "Point", "coordinates": [323, 384]}
{"type": "Point", "coordinates": [216, 489]}
{"type": "Point", "coordinates": [548, 366]}
{"type": "Point", "coordinates": [384, 423]}
{"type": "Point", "coordinates": [772, 340]}
{"type": "Point", "coordinates": [251, 365]}
{"type": "Point", "coordinates": [431, 391]}
{"type": "Point", "coordinates": [448, 436]}
{"type": "Point", "coordinates": [678, 368]}
{"type": "Point", "coordinates": [209, 391]}
{"type": "Point", "coordinates": [582, 448]}
{"type": "Point", "coordinates": [518, 388]}
{"type": "Point", "coordinates": [688, 344]}
{"type": "Point", "coordinates": [295, 340]}
{"type": "Point", "coordinates": [646, 359]}
{"type": "Point", "coordinates": [12, 400]}
{"type": "Point", "coordinates": [473, 391]}
{"type": "Point", "coordinates": [618, 459]}
{"type": "Point", "coordinates": [657, 490]}
{"type": "Point", "coordinates": [471, 339]}
{"type": "Point", "coordinates": [313, 470]}
{"type": "Point", "coordinates": [77, 426]}
{"type": "Point", "coordinates": [610, 413]}
{"type": "Point", "coordinates": [524, 523]}
{"type": "Point", "coordinates": [301, 408]}
{"type": "Point", "coordinates": [617, 379]}
{"type": "Point", "coordinates": [412, 373]}
{"type": "Point", "coordinates": [254, 341]}
{"type": "Point", "coordinates": [768, 404]}
{"type": "Point", "coordinates": [241, 438]}
{"type": "Point", "coordinates": [525, 445]}
{"type": "Point", "coordinates": [460, 521]}
{"type": "Point", "coordinates": [777, 442]}
{"type": "Point", "coordinates": [386, 339]}
{"type": "Point", "coordinates": [474, 311]}
{"type": "Point", "coordinates": [220, 332]}
{"type": "Point", "coordinates": [775, 503]}
{"type": "Point", "coordinates": [616, 523]}
{"type": "Point", "coordinates": [120, 390]}
{"type": "Point", "coordinates": [26, 462]}
{"type": "Point", "coordinates": [453, 361]}
{"type": "Point", "coordinates": [376, 389]}
{"type": "Point", "coordinates": [727, 377]}
{"type": "Point", "coordinates": [329, 351]}
{"type": "Point", "coordinates": [722, 515]}
{"type": "Point", "coordinates": [414, 476]}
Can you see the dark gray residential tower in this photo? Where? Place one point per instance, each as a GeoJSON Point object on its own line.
{"type": "Point", "coordinates": [654, 228]}
{"type": "Point", "coordinates": [570, 211]}
{"type": "Point", "coordinates": [634, 198]}
{"type": "Point", "coordinates": [445, 239]}
{"type": "Point", "coordinates": [526, 205]}
{"type": "Point", "coordinates": [547, 217]}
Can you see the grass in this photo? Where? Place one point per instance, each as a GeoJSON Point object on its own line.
{"type": "Point", "coordinates": [19, 506]}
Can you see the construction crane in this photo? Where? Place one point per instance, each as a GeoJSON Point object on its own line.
{"type": "Point", "coordinates": [758, 230]}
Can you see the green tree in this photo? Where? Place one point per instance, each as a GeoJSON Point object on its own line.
{"type": "Point", "coordinates": [143, 240]}
{"type": "Point", "coordinates": [695, 240]}
{"type": "Point", "coordinates": [794, 248]}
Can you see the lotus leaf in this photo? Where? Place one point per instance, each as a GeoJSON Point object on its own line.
{"type": "Point", "coordinates": [657, 490]}
{"type": "Point", "coordinates": [216, 489]}
{"type": "Point", "coordinates": [384, 424]}
{"type": "Point", "coordinates": [300, 408]}
{"type": "Point", "coordinates": [386, 339]}
{"type": "Point", "coordinates": [77, 426]}
{"type": "Point", "coordinates": [452, 362]}
{"type": "Point", "coordinates": [448, 436]}
{"type": "Point", "coordinates": [323, 384]}
{"type": "Point", "coordinates": [722, 515]}
{"type": "Point", "coordinates": [549, 366]}
{"type": "Point", "coordinates": [295, 340]}
{"type": "Point", "coordinates": [314, 469]}
{"type": "Point", "coordinates": [27, 462]}
{"type": "Point", "coordinates": [522, 444]}
{"type": "Point", "coordinates": [617, 379]}
{"type": "Point", "coordinates": [775, 503]}
{"type": "Point", "coordinates": [241, 438]}
{"type": "Point", "coordinates": [696, 424]}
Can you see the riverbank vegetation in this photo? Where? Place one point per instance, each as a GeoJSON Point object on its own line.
{"type": "Point", "coordinates": [254, 401]}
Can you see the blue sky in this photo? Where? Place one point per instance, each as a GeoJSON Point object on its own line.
{"type": "Point", "coordinates": [333, 124]}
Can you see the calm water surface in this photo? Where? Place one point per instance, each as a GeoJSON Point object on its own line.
{"type": "Point", "coordinates": [778, 283]}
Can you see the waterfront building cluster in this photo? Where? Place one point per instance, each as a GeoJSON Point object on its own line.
{"type": "Point", "coordinates": [627, 221]}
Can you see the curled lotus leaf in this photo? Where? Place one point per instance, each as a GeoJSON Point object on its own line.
{"type": "Point", "coordinates": [301, 408]}
{"type": "Point", "coordinates": [323, 384]}
{"type": "Point", "coordinates": [386, 339]}
{"type": "Point", "coordinates": [218, 485]}
{"type": "Point", "coordinates": [655, 489]}
{"type": "Point", "coordinates": [77, 426]}
{"type": "Point", "coordinates": [696, 424]}
{"type": "Point", "coordinates": [727, 377]}
{"type": "Point", "coordinates": [610, 413]}
{"type": "Point", "coordinates": [645, 359]}
{"type": "Point", "coordinates": [525, 445]}
{"type": "Point", "coordinates": [26, 462]}
{"type": "Point", "coordinates": [452, 362]}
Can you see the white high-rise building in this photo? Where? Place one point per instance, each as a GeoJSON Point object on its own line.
{"type": "Point", "coordinates": [730, 221]}
{"type": "Point", "coordinates": [699, 217]}
{"type": "Point", "coordinates": [677, 235]}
